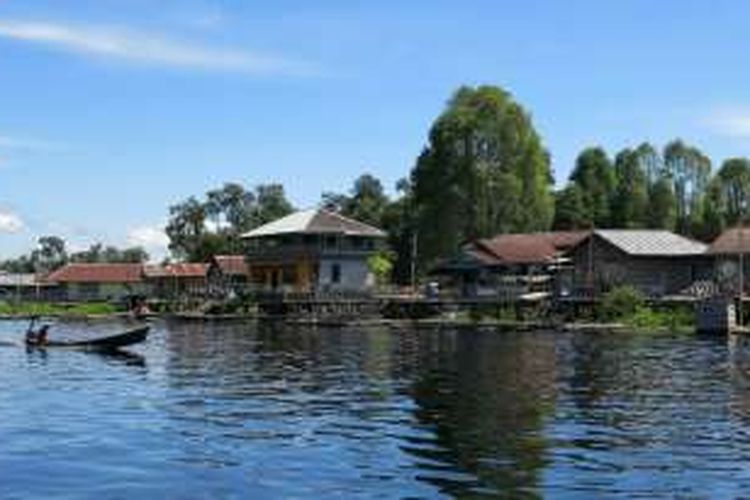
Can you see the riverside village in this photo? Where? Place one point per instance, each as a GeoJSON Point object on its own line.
{"type": "Point", "coordinates": [318, 265]}
{"type": "Point", "coordinates": [374, 250]}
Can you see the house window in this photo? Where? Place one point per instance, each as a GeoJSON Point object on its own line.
{"type": "Point", "coordinates": [336, 273]}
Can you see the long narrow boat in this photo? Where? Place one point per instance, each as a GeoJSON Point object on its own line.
{"type": "Point", "coordinates": [123, 339]}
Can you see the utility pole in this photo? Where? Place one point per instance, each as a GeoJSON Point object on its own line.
{"type": "Point", "coordinates": [413, 269]}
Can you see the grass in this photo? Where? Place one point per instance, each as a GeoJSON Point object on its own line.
{"type": "Point", "coordinates": [55, 309]}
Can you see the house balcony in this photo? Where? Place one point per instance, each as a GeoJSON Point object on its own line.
{"type": "Point", "coordinates": [307, 252]}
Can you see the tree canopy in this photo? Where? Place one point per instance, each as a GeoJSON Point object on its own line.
{"type": "Point", "coordinates": [198, 229]}
{"type": "Point", "coordinates": [484, 171]}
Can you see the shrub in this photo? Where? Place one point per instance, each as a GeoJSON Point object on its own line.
{"type": "Point", "coordinates": [621, 302]}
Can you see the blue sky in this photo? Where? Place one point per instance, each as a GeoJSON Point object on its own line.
{"type": "Point", "coordinates": [111, 110]}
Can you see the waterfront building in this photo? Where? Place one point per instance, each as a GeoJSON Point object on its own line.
{"type": "Point", "coordinates": [509, 265]}
{"type": "Point", "coordinates": [654, 261]}
{"type": "Point", "coordinates": [176, 280]}
{"type": "Point", "coordinates": [730, 251]}
{"type": "Point", "coordinates": [312, 250]}
{"type": "Point", "coordinates": [95, 282]}
{"type": "Point", "coordinates": [228, 274]}
{"type": "Point", "coordinates": [25, 286]}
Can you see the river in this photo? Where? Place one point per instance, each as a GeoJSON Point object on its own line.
{"type": "Point", "coordinates": [240, 410]}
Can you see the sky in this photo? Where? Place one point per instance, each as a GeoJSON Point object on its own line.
{"type": "Point", "coordinates": [113, 110]}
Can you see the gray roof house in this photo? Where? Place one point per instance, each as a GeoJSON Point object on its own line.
{"type": "Point", "coordinates": [656, 262]}
{"type": "Point", "coordinates": [312, 250]}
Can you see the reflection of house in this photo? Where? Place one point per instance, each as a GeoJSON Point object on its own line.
{"type": "Point", "coordinates": [98, 281]}
{"type": "Point", "coordinates": [173, 280]}
{"type": "Point", "coordinates": [228, 273]}
{"type": "Point", "coordinates": [312, 250]}
{"type": "Point", "coordinates": [509, 264]}
{"type": "Point", "coordinates": [656, 262]}
{"type": "Point", "coordinates": [25, 286]}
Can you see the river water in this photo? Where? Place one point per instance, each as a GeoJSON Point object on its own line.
{"type": "Point", "coordinates": [260, 411]}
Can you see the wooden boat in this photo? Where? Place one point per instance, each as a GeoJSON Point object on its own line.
{"type": "Point", "coordinates": [123, 339]}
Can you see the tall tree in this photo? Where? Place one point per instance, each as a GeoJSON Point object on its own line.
{"type": "Point", "coordinates": [662, 206]}
{"type": "Point", "coordinates": [630, 200]}
{"type": "Point", "coordinates": [595, 175]}
{"type": "Point", "coordinates": [186, 227]}
{"type": "Point", "coordinates": [366, 202]}
{"type": "Point", "coordinates": [733, 185]}
{"type": "Point", "coordinates": [689, 169]}
{"type": "Point", "coordinates": [570, 212]}
{"type": "Point", "coordinates": [484, 171]}
{"type": "Point", "coordinates": [271, 203]}
{"type": "Point", "coordinates": [49, 254]}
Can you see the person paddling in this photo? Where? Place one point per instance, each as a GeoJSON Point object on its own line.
{"type": "Point", "coordinates": [38, 337]}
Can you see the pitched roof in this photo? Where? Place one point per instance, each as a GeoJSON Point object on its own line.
{"type": "Point", "coordinates": [231, 264]}
{"type": "Point", "coordinates": [651, 242]}
{"type": "Point", "coordinates": [180, 270]}
{"type": "Point", "coordinates": [529, 248]}
{"type": "Point", "coordinates": [97, 273]}
{"type": "Point", "coordinates": [315, 221]}
{"type": "Point", "coordinates": [735, 240]}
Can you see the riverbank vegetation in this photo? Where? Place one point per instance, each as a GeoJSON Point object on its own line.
{"type": "Point", "coordinates": [57, 309]}
{"type": "Point", "coordinates": [626, 305]}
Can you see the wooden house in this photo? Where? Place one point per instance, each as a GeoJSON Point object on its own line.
{"type": "Point", "coordinates": [228, 274]}
{"type": "Point", "coordinates": [312, 250]}
{"type": "Point", "coordinates": [731, 252]}
{"type": "Point", "coordinates": [509, 264]}
{"type": "Point", "coordinates": [176, 280]}
{"type": "Point", "coordinates": [95, 282]}
{"type": "Point", "coordinates": [655, 262]}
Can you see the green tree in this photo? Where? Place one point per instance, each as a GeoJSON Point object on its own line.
{"type": "Point", "coordinates": [662, 206]}
{"type": "Point", "coordinates": [366, 203]}
{"type": "Point", "coordinates": [689, 170]}
{"type": "Point", "coordinates": [570, 212]}
{"type": "Point", "coordinates": [484, 171]}
{"type": "Point", "coordinates": [271, 203]}
{"type": "Point", "coordinates": [733, 186]}
{"type": "Point", "coordinates": [630, 199]}
{"type": "Point", "coordinates": [595, 175]}
{"type": "Point", "coordinates": [49, 254]}
{"type": "Point", "coordinates": [186, 228]}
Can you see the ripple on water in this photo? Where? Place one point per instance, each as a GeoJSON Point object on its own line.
{"type": "Point", "coordinates": [245, 410]}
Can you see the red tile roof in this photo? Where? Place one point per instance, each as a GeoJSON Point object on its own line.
{"type": "Point", "coordinates": [97, 273]}
{"type": "Point", "coordinates": [181, 270]}
{"type": "Point", "coordinates": [231, 264]}
{"type": "Point", "coordinates": [528, 248]}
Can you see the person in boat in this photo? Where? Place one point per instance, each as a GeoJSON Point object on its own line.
{"type": "Point", "coordinates": [38, 337]}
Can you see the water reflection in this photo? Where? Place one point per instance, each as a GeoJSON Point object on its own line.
{"type": "Point", "coordinates": [263, 410]}
{"type": "Point", "coordinates": [485, 397]}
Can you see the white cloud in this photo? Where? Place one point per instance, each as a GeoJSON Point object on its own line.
{"type": "Point", "coordinates": [152, 238]}
{"type": "Point", "coordinates": [7, 142]}
{"type": "Point", "coordinates": [731, 122]}
{"type": "Point", "coordinates": [10, 222]}
{"type": "Point", "coordinates": [144, 48]}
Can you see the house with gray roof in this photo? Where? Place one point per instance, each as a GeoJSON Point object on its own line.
{"type": "Point", "coordinates": [654, 261]}
{"type": "Point", "coordinates": [312, 250]}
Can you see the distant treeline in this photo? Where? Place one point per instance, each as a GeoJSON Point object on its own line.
{"type": "Point", "coordinates": [485, 171]}
{"type": "Point", "coordinates": [51, 252]}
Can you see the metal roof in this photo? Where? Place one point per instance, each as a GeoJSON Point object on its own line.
{"type": "Point", "coordinates": [315, 221]}
{"type": "Point", "coordinates": [20, 279]}
{"type": "Point", "coordinates": [651, 242]}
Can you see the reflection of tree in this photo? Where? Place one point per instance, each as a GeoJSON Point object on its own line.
{"type": "Point", "coordinates": [485, 396]}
